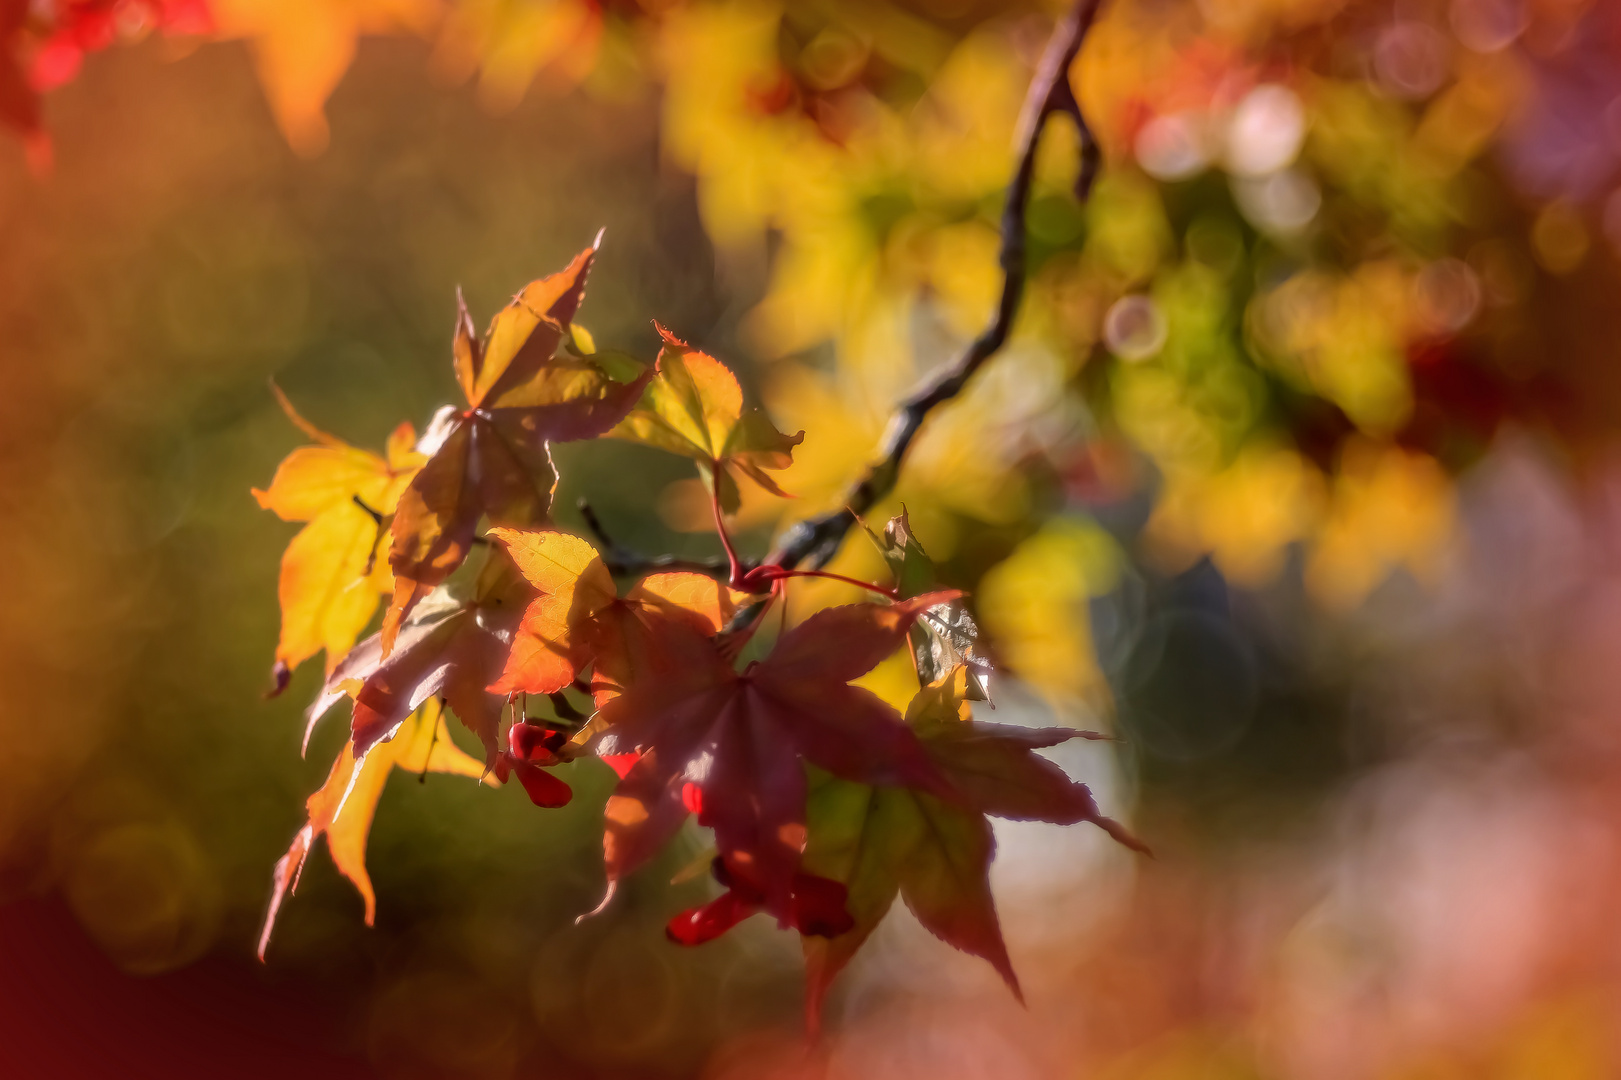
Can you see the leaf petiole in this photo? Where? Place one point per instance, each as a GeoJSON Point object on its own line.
{"type": "Point", "coordinates": [738, 578]}
{"type": "Point", "coordinates": [772, 573]}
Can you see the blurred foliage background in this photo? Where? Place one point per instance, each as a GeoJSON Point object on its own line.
{"type": "Point", "coordinates": [1299, 474]}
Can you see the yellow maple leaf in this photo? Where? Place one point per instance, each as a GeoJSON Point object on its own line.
{"type": "Point", "coordinates": [331, 574]}
{"type": "Point", "coordinates": [1244, 516]}
{"type": "Point", "coordinates": [343, 809]}
{"type": "Point", "coordinates": [512, 45]}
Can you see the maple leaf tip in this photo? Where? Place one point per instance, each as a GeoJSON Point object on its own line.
{"type": "Point", "coordinates": [669, 339]}
{"type": "Point", "coordinates": [280, 675]}
{"type": "Point", "coordinates": [602, 905]}
{"type": "Point", "coordinates": [1124, 836]}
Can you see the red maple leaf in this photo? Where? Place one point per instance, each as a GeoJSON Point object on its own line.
{"type": "Point", "coordinates": [742, 739]}
{"type": "Point", "coordinates": [932, 853]}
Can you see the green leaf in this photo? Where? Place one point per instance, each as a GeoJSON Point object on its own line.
{"type": "Point", "coordinates": [883, 842]}
{"type": "Point", "coordinates": [693, 407]}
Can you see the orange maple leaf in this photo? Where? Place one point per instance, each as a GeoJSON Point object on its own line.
{"type": "Point", "coordinates": [579, 617]}
{"type": "Point", "coordinates": [493, 458]}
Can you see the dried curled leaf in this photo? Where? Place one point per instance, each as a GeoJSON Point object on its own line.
{"type": "Point", "coordinates": [343, 809]}
{"type": "Point", "coordinates": [945, 636]}
{"type": "Point", "coordinates": [694, 407]}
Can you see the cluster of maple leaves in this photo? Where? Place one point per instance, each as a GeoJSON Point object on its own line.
{"type": "Point", "coordinates": [825, 802]}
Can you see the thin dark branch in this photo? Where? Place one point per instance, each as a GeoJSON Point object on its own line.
{"type": "Point", "coordinates": [376, 515]}
{"type": "Point", "coordinates": [623, 562]}
{"type": "Point", "coordinates": [817, 540]}
{"type": "Point", "coordinates": [565, 709]}
{"type": "Point", "coordinates": [377, 520]}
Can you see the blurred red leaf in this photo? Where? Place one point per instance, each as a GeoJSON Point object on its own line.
{"type": "Point", "coordinates": [815, 906]}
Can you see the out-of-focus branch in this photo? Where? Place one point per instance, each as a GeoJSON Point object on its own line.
{"type": "Point", "coordinates": [815, 541]}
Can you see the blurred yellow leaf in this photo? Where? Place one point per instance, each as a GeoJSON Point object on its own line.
{"type": "Point", "coordinates": [1342, 336]}
{"type": "Point", "coordinates": [1391, 509]}
{"type": "Point", "coordinates": [303, 47]}
{"type": "Point", "coordinates": [1244, 517]}
{"type": "Point", "coordinates": [512, 43]}
{"type": "Point", "coordinates": [1033, 606]}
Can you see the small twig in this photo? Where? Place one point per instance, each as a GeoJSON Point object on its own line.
{"type": "Point", "coordinates": [1064, 101]}
{"type": "Point", "coordinates": [623, 562]}
{"type": "Point", "coordinates": [376, 515]}
{"type": "Point", "coordinates": [427, 762]}
{"type": "Point", "coordinates": [377, 520]}
{"type": "Point", "coordinates": [817, 540]}
{"type": "Point", "coordinates": [565, 709]}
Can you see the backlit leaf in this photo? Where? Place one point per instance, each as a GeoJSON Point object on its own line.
{"type": "Point", "coordinates": [494, 459]}
{"type": "Point", "coordinates": [694, 407]}
{"type": "Point", "coordinates": [549, 650]}
{"type": "Point", "coordinates": [331, 578]}
{"type": "Point", "coordinates": [579, 617]}
{"type": "Point", "coordinates": [449, 648]}
{"type": "Point", "coordinates": [343, 809]}
{"type": "Point", "coordinates": [741, 739]}
{"type": "Point", "coordinates": [935, 854]}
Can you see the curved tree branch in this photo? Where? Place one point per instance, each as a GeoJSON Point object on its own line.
{"type": "Point", "coordinates": [816, 541]}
